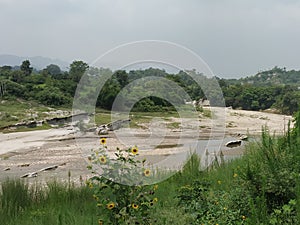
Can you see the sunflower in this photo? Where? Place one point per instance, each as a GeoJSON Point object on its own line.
{"type": "Point", "coordinates": [102, 159]}
{"type": "Point", "coordinates": [134, 150]}
{"type": "Point", "coordinates": [103, 141]}
{"type": "Point", "coordinates": [110, 205]}
{"type": "Point", "coordinates": [135, 206]}
{"type": "Point", "coordinates": [147, 173]}
{"type": "Point", "coordinates": [96, 197]}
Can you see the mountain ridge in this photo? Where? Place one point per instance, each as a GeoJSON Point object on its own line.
{"type": "Point", "coordinates": [38, 62]}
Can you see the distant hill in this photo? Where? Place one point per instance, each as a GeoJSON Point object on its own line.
{"type": "Point", "coordinates": [38, 62]}
{"type": "Point", "coordinates": [275, 76]}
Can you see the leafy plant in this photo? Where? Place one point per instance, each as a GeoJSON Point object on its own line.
{"type": "Point", "coordinates": [285, 215]}
{"type": "Point", "coordinates": [119, 200]}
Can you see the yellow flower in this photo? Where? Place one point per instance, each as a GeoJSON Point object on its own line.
{"type": "Point", "coordinates": [100, 222]}
{"type": "Point", "coordinates": [147, 172]}
{"type": "Point", "coordinates": [235, 175]}
{"type": "Point", "coordinates": [91, 185]}
{"type": "Point", "coordinates": [102, 159]}
{"type": "Point", "coordinates": [134, 150]}
{"type": "Point", "coordinates": [243, 217]}
{"type": "Point", "coordinates": [135, 206]}
{"type": "Point", "coordinates": [155, 187]}
{"type": "Point", "coordinates": [219, 182]}
{"type": "Point", "coordinates": [103, 141]}
{"type": "Point", "coordinates": [110, 205]}
{"type": "Point", "coordinates": [155, 199]}
{"type": "Point", "coordinates": [225, 208]}
{"type": "Point", "coordinates": [96, 197]}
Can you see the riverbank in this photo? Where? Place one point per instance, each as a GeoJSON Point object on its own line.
{"type": "Point", "coordinates": [27, 152]}
{"type": "Point", "coordinates": [232, 193]}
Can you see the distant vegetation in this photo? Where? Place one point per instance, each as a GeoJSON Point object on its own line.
{"type": "Point", "coordinates": [275, 88]}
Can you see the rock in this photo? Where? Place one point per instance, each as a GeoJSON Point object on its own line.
{"type": "Point", "coordinates": [6, 169]}
{"type": "Point", "coordinates": [49, 168]}
{"type": "Point", "coordinates": [243, 137]}
{"type": "Point", "coordinates": [233, 144]}
{"type": "Point", "coordinates": [30, 175]}
{"type": "Point", "coordinates": [103, 129]}
{"type": "Point", "coordinates": [24, 165]}
{"type": "Point", "coordinates": [117, 124]}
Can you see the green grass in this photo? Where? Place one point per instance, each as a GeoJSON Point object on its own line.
{"type": "Point", "coordinates": [173, 125]}
{"type": "Point", "coordinates": [137, 118]}
{"type": "Point", "coordinates": [102, 118]}
{"type": "Point", "coordinates": [222, 194]}
{"type": "Point", "coordinates": [55, 204]}
{"type": "Point", "coordinates": [262, 187]}
{"type": "Point", "coordinates": [14, 111]}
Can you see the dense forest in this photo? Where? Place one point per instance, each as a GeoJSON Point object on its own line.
{"type": "Point", "coordinates": [276, 88]}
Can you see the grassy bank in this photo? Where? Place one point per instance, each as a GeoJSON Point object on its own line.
{"type": "Point", "coordinates": [262, 187]}
{"type": "Point", "coordinates": [16, 111]}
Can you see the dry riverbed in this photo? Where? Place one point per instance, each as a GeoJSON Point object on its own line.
{"type": "Point", "coordinates": [160, 142]}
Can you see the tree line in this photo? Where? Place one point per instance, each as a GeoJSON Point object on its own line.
{"type": "Point", "coordinates": [276, 88]}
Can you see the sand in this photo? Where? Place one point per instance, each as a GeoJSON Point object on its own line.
{"type": "Point", "coordinates": [25, 152]}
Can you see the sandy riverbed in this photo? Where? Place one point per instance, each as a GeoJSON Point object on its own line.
{"type": "Point", "coordinates": [24, 152]}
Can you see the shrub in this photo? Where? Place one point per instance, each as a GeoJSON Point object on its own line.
{"type": "Point", "coordinates": [118, 200]}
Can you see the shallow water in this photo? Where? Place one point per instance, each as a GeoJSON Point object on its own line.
{"type": "Point", "coordinates": [175, 157]}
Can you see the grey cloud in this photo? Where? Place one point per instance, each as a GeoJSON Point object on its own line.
{"type": "Point", "coordinates": [234, 37]}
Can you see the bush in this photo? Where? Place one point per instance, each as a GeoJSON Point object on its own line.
{"type": "Point", "coordinates": [53, 96]}
{"type": "Point", "coordinates": [119, 199]}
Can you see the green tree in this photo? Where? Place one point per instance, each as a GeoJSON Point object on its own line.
{"type": "Point", "coordinates": [108, 94]}
{"type": "Point", "coordinates": [25, 68]}
{"type": "Point", "coordinates": [5, 71]}
{"type": "Point", "coordinates": [122, 78]}
{"type": "Point", "coordinates": [13, 89]}
{"type": "Point", "coordinates": [17, 76]}
{"type": "Point", "coordinates": [77, 69]}
{"type": "Point", "coordinates": [53, 70]}
{"type": "Point", "coordinates": [52, 96]}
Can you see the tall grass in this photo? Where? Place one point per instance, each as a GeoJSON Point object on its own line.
{"type": "Point", "coordinates": [15, 198]}
{"type": "Point", "coordinates": [262, 187]}
{"type": "Point", "coordinates": [54, 204]}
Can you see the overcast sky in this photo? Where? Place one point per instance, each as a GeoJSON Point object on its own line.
{"type": "Point", "coordinates": [235, 37]}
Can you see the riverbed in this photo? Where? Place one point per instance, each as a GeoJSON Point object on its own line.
{"type": "Point", "coordinates": [68, 149]}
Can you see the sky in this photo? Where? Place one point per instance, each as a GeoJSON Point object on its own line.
{"type": "Point", "coordinates": [235, 38]}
